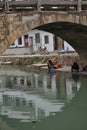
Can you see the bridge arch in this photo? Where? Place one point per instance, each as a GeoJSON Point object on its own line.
{"type": "Point", "coordinates": [72, 27]}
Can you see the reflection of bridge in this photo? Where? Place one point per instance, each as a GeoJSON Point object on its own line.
{"type": "Point", "coordinates": [71, 26]}
{"type": "Point", "coordinates": [22, 105]}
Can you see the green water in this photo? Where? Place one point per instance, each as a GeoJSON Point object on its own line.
{"type": "Point", "coordinates": [42, 100]}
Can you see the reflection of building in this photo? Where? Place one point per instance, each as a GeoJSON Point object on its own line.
{"type": "Point", "coordinates": [44, 95]}
{"type": "Point", "coordinates": [29, 107]}
{"type": "Point", "coordinates": [33, 40]}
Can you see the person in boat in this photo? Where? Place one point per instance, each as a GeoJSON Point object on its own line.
{"type": "Point", "coordinates": [75, 67]}
{"type": "Point", "coordinates": [51, 65]}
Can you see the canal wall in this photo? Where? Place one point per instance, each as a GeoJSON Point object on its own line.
{"type": "Point", "coordinates": [64, 59]}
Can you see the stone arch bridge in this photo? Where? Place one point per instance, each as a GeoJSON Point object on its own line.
{"type": "Point", "coordinates": [70, 26]}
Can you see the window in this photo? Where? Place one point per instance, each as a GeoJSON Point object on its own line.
{"type": "Point", "coordinates": [19, 41]}
{"type": "Point", "coordinates": [46, 39]}
{"type": "Point", "coordinates": [26, 40]}
{"type": "Point", "coordinates": [22, 81]}
{"type": "Point", "coordinates": [30, 41]}
{"type": "Point", "coordinates": [37, 38]}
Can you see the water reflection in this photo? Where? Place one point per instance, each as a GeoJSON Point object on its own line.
{"type": "Point", "coordinates": [34, 96]}
{"type": "Point", "coordinates": [72, 85]}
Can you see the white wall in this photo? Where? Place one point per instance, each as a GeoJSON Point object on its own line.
{"type": "Point", "coordinates": [49, 46]}
{"type": "Point", "coordinates": [67, 46]}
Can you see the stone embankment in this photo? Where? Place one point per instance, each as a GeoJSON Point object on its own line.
{"type": "Point", "coordinates": [64, 59]}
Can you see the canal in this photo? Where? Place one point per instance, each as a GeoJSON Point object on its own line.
{"type": "Point", "coordinates": [42, 100]}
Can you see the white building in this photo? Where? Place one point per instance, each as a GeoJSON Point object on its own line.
{"type": "Point", "coordinates": [33, 40]}
{"type": "Point", "coordinates": [68, 47]}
